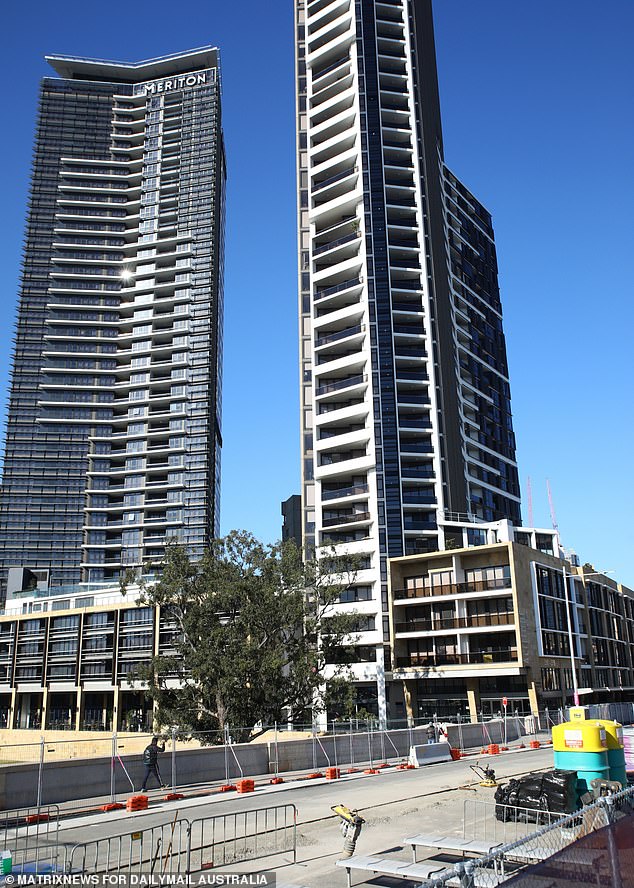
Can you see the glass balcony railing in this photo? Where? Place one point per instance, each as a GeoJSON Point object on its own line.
{"type": "Point", "coordinates": [477, 621]}
{"type": "Point", "coordinates": [350, 518]}
{"type": "Point", "coordinates": [426, 591]}
{"type": "Point", "coordinates": [341, 334]}
{"type": "Point", "coordinates": [337, 384]}
{"type": "Point", "coordinates": [346, 239]}
{"type": "Point", "coordinates": [338, 288]}
{"type": "Point", "coordinates": [344, 491]}
{"type": "Point", "coordinates": [329, 68]}
{"type": "Point", "coordinates": [426, 660]}
{"type": "Point", "coordinates": [338, 177]}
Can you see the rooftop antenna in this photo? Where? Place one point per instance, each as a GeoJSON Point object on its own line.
{"type": "Point", "coordinates": [530, 502]}
{"type": "Point", "coordinates": [553, 517]}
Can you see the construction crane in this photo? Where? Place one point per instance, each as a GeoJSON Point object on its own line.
{"type": "Point", "coordinates": [553, 517]}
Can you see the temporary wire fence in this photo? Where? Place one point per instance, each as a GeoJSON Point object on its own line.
{"type": "Point", "coordinates": [110, 768]}
{"type": "Point", "coordinates": [498, 824]}
{"type": "Point", "coordinates": [560, 840]}
{"type": "Point", "coordinates": [192, 764]}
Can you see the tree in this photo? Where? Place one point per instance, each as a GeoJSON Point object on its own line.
{"type": "Point", "coordinates": [253, 631]}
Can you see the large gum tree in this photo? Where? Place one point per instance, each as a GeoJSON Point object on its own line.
{"type": "Point", "coordinates": [254, 628]}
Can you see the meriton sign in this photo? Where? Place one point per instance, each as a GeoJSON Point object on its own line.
{"type": "Point", "coordinates": [183, 81]}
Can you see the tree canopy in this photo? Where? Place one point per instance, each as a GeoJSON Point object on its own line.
{"type": "Point", "coordinates": [253, 629]}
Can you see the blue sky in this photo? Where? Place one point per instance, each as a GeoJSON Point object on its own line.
{"type": "Point", "coordinates": [537, 111]}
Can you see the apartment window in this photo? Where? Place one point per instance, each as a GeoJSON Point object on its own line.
{"type": "Point", "coordinates": [137, 615]}
{"type": "Point", "coordinates": [366, 623]}
{"type": "Point", "coordinates": [489, 577]}
{"type": "Point", "coordinates": [93, 621]}
{"type": "Point", "coordinates": [86, 601]}
{"type": "Point", "coordinates": [65, 622]}
{"type": "Point", "coordinates": [550, 582]}
{"type": "Point", "coordinates": [356, 593]}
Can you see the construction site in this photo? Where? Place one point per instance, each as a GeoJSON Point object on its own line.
{"type": "Point", "coordinates": [382, 807]}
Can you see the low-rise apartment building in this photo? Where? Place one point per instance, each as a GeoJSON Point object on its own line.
{"type": "Point", "coordinates": [69, 659]}
{"type": "Point", "coordinates": [473, 626]}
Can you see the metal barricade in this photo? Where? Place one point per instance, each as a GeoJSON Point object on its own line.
{"type": "Point", "coordinates": [156, 850]}
{"type": "Point", "coordinates": [32, 836]}
{"type": "Point", "coordinates": [500, 824]}
{"type": "Point", "coordinates": [242, 836]}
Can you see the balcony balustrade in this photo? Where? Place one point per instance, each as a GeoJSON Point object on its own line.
{"type": "Point", "coordinates": [338, 288]}
{"type": "Point", "coordinates": [427, 591]}
{"type": "Point", "coordinates": [478, 621]}
{"type": "Point", "coordinates": [431, 660]}
{"type": "Point", "coordinates": [344, 491]}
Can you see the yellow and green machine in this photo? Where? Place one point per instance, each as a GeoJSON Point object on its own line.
{"type": "Point", "coordinates": [592, 747]}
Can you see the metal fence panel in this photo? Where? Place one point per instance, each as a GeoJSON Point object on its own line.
{"type": "Point", "coordinates": [157, 850]}
{"type": "Point", "coordinates": [227, 839]}
{"type": "Point", "coordinates": [32, 836]}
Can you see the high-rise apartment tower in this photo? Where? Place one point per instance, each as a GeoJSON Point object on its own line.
{"type": "Point", "coordinates": [406, 418]}
{"type": "Point", "coordinates": [113, 437]}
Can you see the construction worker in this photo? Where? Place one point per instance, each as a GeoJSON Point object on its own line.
{"type": "Point", "coordinates": [150, 760]}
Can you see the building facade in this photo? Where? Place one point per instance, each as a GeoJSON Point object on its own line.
{"type": "Point", "coordinates": [469, 627]}
{"type": "Point", "coordinates": [67, 660]}
{"type": "Point", "coordinates": [292, 519]}
{"type": "Point", "coordinates": [114, 432]}
{"type": "Point", "coordinates": [473, 626]}
{"type": "Point", "coordinates": [405, 399]}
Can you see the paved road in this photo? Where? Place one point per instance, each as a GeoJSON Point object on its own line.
{"type": "Point", "coordinates": [394, 803]}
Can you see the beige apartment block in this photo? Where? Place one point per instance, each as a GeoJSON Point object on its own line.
{"type": "Point", "coordinates": [475, 626]}
{"type": "Point", "coordinates": [69, 668]}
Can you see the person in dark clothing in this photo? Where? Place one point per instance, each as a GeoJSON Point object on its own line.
{"type": "Point", "coordinates": [150, 760]}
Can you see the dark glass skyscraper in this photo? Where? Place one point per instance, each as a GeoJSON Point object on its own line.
{"type": "Point", "coordinates": [406, 420]}
{"type": "Point", "coordinates": [114, 432]}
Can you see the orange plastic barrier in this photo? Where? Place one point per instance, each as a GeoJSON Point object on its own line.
{"type": "Point", "coordinates": [332, 773]}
